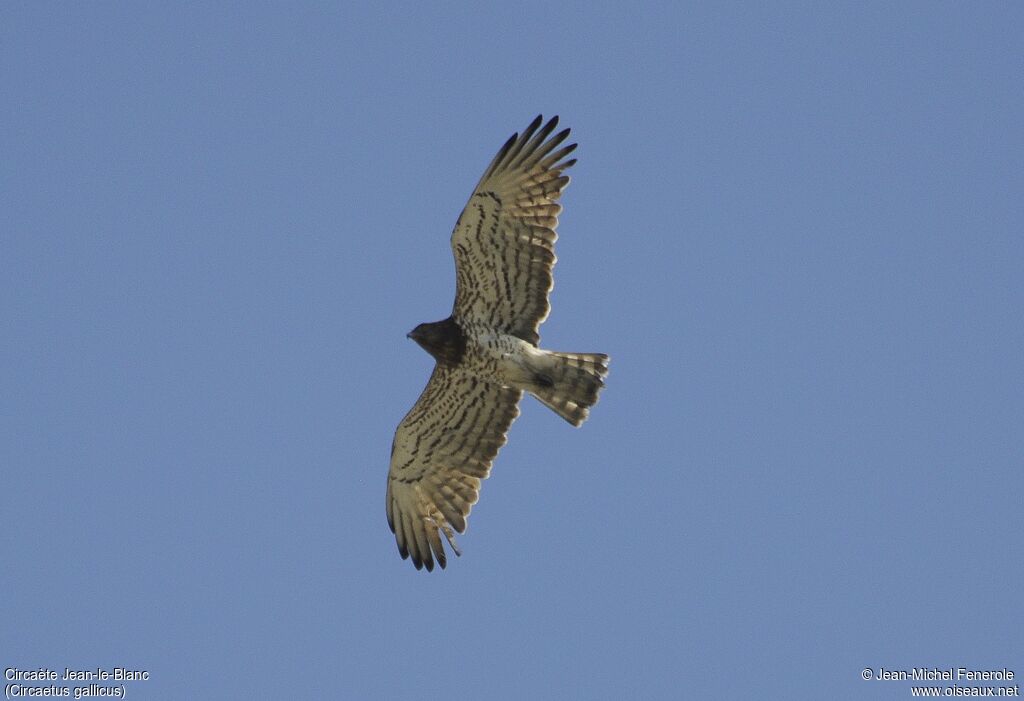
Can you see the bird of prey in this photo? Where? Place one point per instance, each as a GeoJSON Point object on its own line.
{"type": "Point", "coordinates": [486, 351]}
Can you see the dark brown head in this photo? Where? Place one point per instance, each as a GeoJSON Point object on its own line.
{"type": "Point", "coordinates": [442, 339]}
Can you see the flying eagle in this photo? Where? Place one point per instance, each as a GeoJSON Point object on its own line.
{"type": "Point", "coordinates": [486, 352]}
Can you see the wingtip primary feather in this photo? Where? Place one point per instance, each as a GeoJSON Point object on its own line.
{"type": "Point", "coordinates": [524, 143]}
{"type": "Point", "coordinates": [552, 123]}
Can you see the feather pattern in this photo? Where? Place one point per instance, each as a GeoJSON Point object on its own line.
{"type": "Point", "coordinates": [443, 448]}
{"type": "Point", "coordinates": [504, 240]}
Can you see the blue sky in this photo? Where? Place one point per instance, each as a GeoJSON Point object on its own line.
{"type": "Point", "coordinates": [796, 229]}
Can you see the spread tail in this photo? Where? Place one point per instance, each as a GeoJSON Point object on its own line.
{"type": "Point", "coordinates": [568, 383]}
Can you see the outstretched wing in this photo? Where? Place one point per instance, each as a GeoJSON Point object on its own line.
{"type": "Point", "coordinates": [442, 450]}
{"type": "Point", "coordinates": [504, 241]}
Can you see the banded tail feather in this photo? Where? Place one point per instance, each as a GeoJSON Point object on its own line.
{"type": "Point", "coordinates": [568, 383]}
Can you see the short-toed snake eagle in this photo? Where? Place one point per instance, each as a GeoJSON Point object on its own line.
{"type": "Point", "coordinates": [486, 352]}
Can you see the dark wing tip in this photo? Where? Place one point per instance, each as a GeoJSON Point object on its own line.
{"type": "Point", "coordinates": [425, 562]}
{"type": "Point", "coordinates": [505, 148]}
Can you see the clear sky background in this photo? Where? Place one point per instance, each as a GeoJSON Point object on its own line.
{"type": "Point", "coordinates": [798, 231]}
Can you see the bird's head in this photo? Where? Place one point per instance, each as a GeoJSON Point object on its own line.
{"type": "Point", "coordinates": [420, 333]}
{"type": "Point", "coordinates": [442, 339]}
